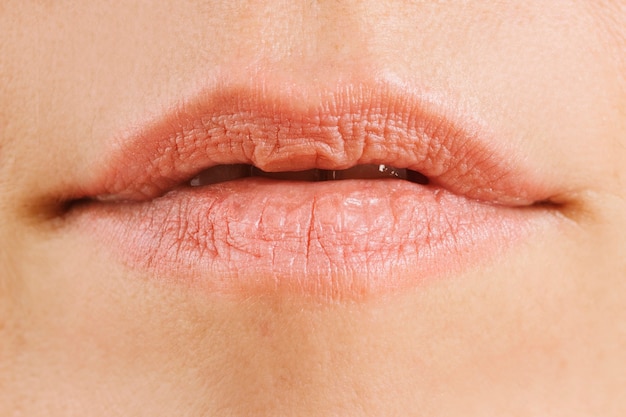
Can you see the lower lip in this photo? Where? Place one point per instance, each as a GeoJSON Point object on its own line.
{"type": "Point", "coordinates": [336, 239]}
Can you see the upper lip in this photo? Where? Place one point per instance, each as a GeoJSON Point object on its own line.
{"type": "Point", "coordinates": [279, 130]}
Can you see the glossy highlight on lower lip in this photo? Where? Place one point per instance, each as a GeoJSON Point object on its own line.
{"type": "Point", "coordinates": [335, 239]}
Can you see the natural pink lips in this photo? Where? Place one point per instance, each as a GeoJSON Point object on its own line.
{"type": "Point", "coordinates": [338, 239]}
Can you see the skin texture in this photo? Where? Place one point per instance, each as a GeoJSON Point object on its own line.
{"type": "Point", "coordinates": [539, 331]}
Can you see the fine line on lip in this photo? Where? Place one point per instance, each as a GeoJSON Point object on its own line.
{"type": "Point", "coordinates": [355, 124]}
{"type": "Point", "coordinates": [331, 240]}
{"type": "Point", "coordinates": [337, 239]}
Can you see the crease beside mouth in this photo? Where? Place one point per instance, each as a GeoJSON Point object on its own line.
{"type": "Point", "coordinates": [223, 173]}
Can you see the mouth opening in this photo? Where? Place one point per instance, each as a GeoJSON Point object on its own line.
{"type": "Point", "coordinates": [223, 173]}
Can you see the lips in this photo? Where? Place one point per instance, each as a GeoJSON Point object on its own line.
{"type": "Point", "coordinates": [361, 190]}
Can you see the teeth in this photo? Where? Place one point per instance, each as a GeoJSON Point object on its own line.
{"type": "Point", "coordinates": [223, 173]}
{"type": "Point", "coordinates": [368, 172]}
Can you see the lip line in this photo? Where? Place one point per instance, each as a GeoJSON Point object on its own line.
{"type": "Point", "coordinates": [276, 129]}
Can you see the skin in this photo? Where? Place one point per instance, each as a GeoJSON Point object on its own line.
{"type": "Point", "coordinates": [539, 331]}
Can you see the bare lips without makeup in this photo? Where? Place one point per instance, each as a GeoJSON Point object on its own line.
{"type": "Point", "coordinates": [363, 190]}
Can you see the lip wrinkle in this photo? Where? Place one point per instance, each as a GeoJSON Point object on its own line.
{"type": "Point", "coordinates": [334, 240]}
{"type": "Point", "coordinates": [354, 125]}
{"type": "Point", "coordinates": [330, 240]}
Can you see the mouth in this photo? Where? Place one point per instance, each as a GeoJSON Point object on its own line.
{"type": "Point", "coordinates": [223, 173]}
{"type": "Point", "coordinates": [362, 190]}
